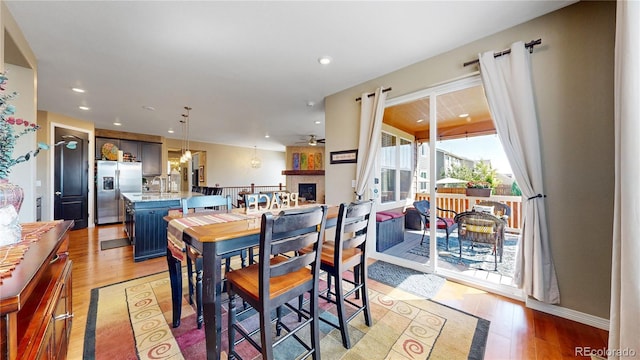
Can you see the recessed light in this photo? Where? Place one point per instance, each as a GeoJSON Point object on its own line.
{"type": "Point", "coordinates": [78, 90]}
{"type": "Point", "coordinates": [150, 108]}
{"type": "Point", "coordinates": [463, 115]}
{"type": "Point", "coordinates": [325, 60]}
{"type": "Point", "coordinates": [317, 122]}
{"type": "Point", "coordinates": [419, 120]}
{"type": "Point", "coordinates": [267, 136]}
{"type": "Point", "coordinates": [81, 107]}
{"type": "Point", "coordinates": [170, 131]}
{"type": "Point", "coordinates": [310, 103]}
{"type": "Point", "coordinates": [117, 123]}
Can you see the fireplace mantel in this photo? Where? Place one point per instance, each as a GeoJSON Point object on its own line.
{"type": "Point", "coordinates": [303, 172]}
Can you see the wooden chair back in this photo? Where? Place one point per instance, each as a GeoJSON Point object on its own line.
{"type": "Point", "coordinates": [206, 201]}
{"type": "Point", "coordinates": [352, 226]}
{"type": "Point", "coordinates": [288, 233]}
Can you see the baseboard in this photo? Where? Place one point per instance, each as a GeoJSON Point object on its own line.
{"type": "Point", "coordinates": [570, 314]}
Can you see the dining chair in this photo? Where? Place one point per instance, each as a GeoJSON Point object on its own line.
{"type": "Point", "coordinates": [346, 252]}
{"type": "Point", "coordinates": [195, 204]}
{"type": "Point", "coordinates": [448, 224]}
{"type": "Point", "coordinates": [276, 280]}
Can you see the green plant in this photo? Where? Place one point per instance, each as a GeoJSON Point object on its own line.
{"type": "Point", "coordinates": [482, 175]}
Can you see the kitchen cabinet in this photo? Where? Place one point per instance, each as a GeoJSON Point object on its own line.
{"type": "Point", "coordinates": [131, 147]}
{"type": "Point", "coordinates": [151, 155]}
{"type": "Point", "coordinates": [148, 153]}
{"type": "Point", "coordinates": [100, 141]}
{"type": "Point", "coordinates": [36, 300]}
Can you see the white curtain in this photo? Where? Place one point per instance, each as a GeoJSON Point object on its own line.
{"type": "Point", "coordinates": [624, 326]}
{"type": "Point", "coordinates": [509, 91]}
{"type": "Point", "coordinates": [371, 114]}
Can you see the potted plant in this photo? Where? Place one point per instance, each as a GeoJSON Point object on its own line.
{"type": "Point", "coordinates": [478, 188]}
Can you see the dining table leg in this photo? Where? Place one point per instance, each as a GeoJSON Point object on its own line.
{"type": "Point", "coordinates": [175, 279]}
{"type": "Point", "coordinates": [211, 303]}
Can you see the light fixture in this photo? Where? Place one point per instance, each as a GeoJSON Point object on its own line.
{"type": "Point", "coordinates": [117, 123]}
{"type": "Point", "coordinates": [82, 107]}
{"type": "Point", "coordinates": [255, 161]}
{"type": "Point", "coordinates": [325, 60]}
{"type": "Point", "coordinates": [463, 115]}
{"type": "Point", "coordinates": [150, 108]}
{"type": "Point", "coordinates": [170, 131]}
{"type": "Point", "coordinates": [317, 122]}
{"type": "Point", "coordinates": [266, 136]}
{"type": "Point", "coordinates": [313, 141]}
{"type": "Point", "coordinates": [186, 153]}
{"type": "Point", "coordinates": [78, 90]}
{"type": "Point", "coordinates": [419, 120]}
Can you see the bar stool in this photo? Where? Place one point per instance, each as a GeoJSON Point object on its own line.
{"type": "Point", "coordinates": [195, 258]}
{"type": "Point", "coordinates": [348, 251]}
{"type": "Point", "coordinates": [276, 280]}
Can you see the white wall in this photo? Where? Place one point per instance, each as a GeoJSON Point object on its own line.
{"type": "Point", "coordinates": [573, 84]}
{"type": "Point", "coordinates": [229, 165]}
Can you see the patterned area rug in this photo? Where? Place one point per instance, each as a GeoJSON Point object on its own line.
{"type": "Point", "coordinates": [131, 320]}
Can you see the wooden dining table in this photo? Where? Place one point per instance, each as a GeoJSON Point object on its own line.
{"type": "Point", "coordinates": [212, 241]}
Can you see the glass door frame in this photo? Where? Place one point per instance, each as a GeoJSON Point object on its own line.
{"type": "Point", "coordinates": [432, 265]}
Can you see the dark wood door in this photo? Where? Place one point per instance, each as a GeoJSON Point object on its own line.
{"type": "Point", "coordinates": [71, 178]}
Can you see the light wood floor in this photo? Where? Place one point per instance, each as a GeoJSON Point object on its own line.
{"type": "Point", "coordinates": [515, 333]}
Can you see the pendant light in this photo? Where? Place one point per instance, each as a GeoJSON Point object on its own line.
{"type": "Point", "coordinates": [186, 153]}
{"type": "Point", "coordinates": [255, 161]}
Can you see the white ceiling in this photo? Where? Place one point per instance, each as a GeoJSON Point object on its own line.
{"type": "Point", "coordinates": [246, 68]}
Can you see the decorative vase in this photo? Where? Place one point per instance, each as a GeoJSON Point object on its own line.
{"type": "Point", "coordinates": [478, 192]}
{"type": "Point", "coordinates": [11, 194]}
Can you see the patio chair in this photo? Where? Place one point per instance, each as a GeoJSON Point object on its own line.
{"type": "Point", "coordinates": [500, 210]}
{"type": "Point", "coordinates": [481, 227]}
{"type": "Point", "coordinates": [448, 224]}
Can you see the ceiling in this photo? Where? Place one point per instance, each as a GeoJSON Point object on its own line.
{"type": "Point", "coordinates": [247, 69]}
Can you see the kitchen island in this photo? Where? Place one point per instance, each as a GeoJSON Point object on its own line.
{"type": "Point", "coordinates": [144, 224]}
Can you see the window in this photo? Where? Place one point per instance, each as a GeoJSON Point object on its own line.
{"type": "Point", "coordinates": [396, 168]}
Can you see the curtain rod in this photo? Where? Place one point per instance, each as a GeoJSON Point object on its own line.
{"type": "Point", "coordinates": [528, 45]}
{"type": "Point", "coordinates": [373, 94]}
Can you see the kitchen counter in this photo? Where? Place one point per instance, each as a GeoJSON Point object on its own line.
{"type": "Point", "coordinates": [156, 196]}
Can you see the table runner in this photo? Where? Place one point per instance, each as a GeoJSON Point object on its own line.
{"type": "Point", "coordinates": [177, 226]}
{"type": "Point", "coordinates": [11, 255]}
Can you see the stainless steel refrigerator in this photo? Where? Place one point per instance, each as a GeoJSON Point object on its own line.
{"type": "Point", "coordinates": [112, 179]}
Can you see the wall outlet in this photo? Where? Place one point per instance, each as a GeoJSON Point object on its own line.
{"type": "Point", "coordinates": [38, 183]}
{"type": "Point", "coordinates": [353, 184]}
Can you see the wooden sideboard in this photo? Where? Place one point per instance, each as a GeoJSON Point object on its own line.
{"type": "Point", "coordinates": [35, 301]}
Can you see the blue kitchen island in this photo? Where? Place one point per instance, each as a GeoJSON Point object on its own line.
{"type": "Point", "coordinates": [144, 221]}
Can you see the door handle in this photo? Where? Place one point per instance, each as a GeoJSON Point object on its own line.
{"type": "Point", "coordinates": [58, 193]}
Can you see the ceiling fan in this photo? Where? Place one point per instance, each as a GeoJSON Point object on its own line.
{"type": "Point", "coordinates": [313, 141]}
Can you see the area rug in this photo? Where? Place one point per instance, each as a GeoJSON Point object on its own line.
{"type": "Point", "coordinates": [131, 320]}
{"type": "Point", "coordinates": [480, 256]}
{"type": "Point", "coordinates": [419, 283]}
{"type": "Point", "coordinates": [115, 243]}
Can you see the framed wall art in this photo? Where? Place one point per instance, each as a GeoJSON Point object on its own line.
{"type": "Point", "coordinates": [344, 157]}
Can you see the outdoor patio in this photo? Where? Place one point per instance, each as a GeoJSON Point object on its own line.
{"type": "Point", "coordinates": [477, 261]}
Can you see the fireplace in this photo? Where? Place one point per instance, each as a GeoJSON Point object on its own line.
{"type": "Point", "coordinates": [307, 191]}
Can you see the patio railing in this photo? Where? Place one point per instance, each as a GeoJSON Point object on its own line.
{"type": "Point", "coordinates": [460, 203]}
